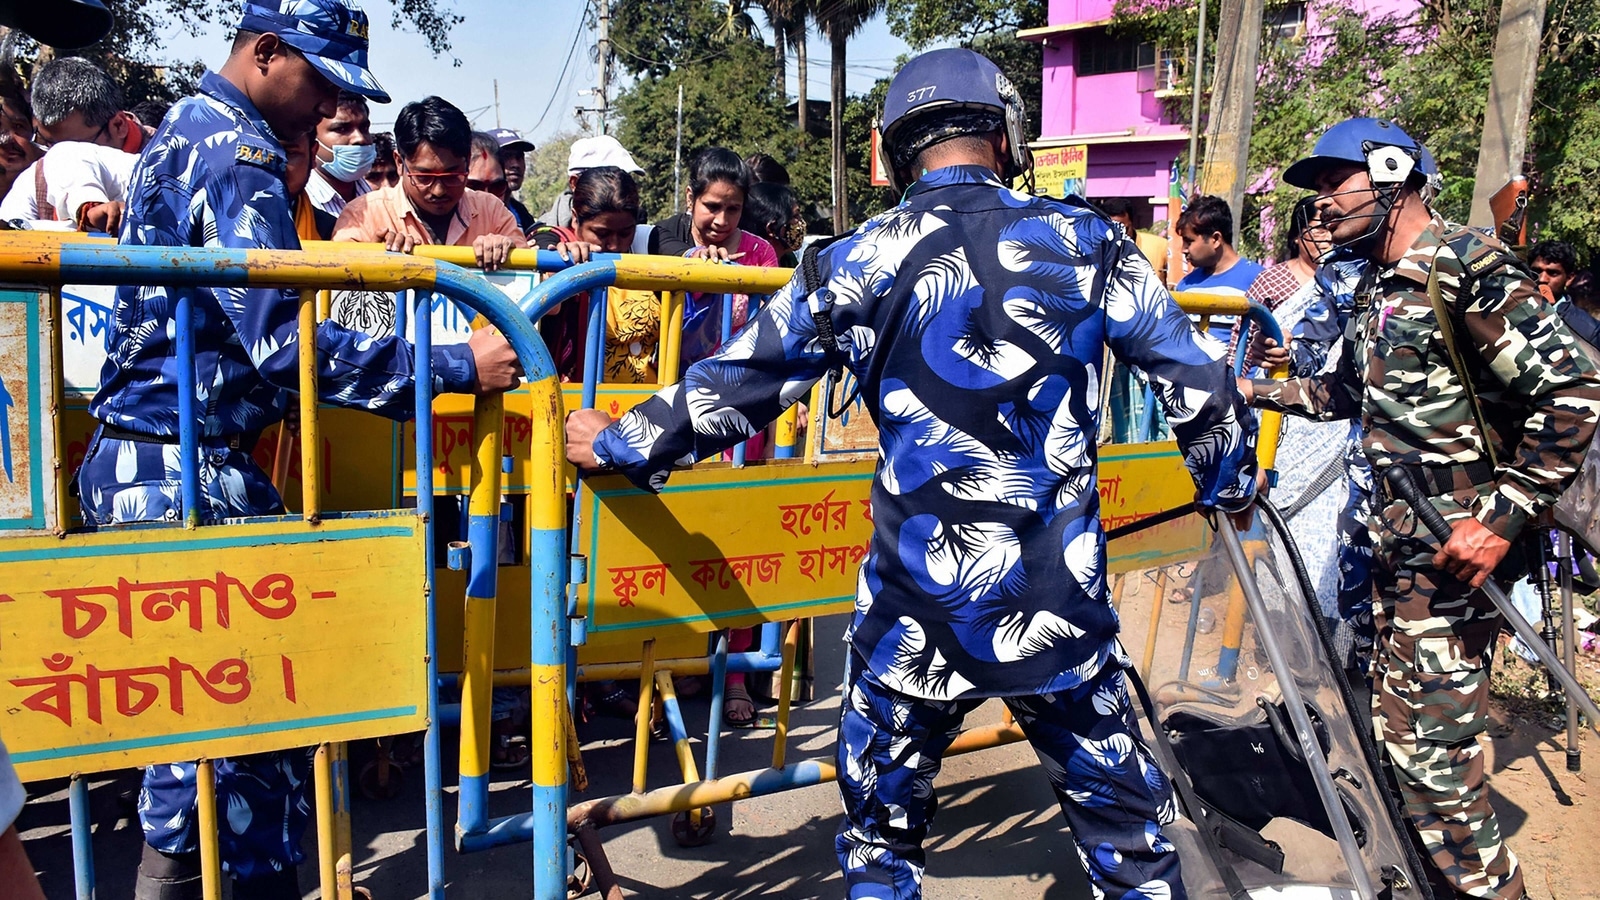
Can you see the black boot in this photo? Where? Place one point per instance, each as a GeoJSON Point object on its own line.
{"type": "Point", "coordinates": [168, 876]}
{"type": "Point", "coordinates": [283, 885]}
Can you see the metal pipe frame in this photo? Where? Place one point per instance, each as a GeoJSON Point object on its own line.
{"type": "Point", "coordinates": [84, 262]}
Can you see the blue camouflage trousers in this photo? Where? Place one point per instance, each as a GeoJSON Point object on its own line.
{"type": "Point", "coordinates": [1115, 797]}
{"type": "Point", "coordinates": [263, 810]}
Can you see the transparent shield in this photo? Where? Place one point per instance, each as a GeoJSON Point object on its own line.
{"type": "Point", "coordinates": [1187, 628]}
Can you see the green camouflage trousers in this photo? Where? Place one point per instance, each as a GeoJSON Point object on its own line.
{"type": "Point", "coordinates": [1430, 698]}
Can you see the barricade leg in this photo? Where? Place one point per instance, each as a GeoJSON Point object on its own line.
{"type": "Point", "coordinates": [719, 688]}
{"type": "Point", "coordinates": [641, 725]}
{"type": "Point", "coordinates": [210, 855]}
{"type": "Point", "coordinates": [780, 737]}
{"type": "Point", "coordinates": [1156, 604]}
{"type": "Point", "coordinates": [82, 848]}
{"type": "Point", "coordinates": [550, 640]}
{"type": "Point", "coordinates": [432, 766]}
{"type": "Point", "coordinates": [477, 677]}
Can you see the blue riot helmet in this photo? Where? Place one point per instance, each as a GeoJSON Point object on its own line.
{"type": "Point", "coordinates": [1392, 159]}
{"type": "Point", "coordinates": [943, 94]}
{"type": "Point", "coordinates": [1389, 154]}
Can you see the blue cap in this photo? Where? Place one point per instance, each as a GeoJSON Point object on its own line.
{"type": "Point", "coordinates": [1351, 142]}
{"type": "Point", "coordinates": [330, 33]}
{"type": "Point", "coordinates": [511, 141]}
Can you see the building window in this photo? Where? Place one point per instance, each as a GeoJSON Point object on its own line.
{"type": "Point", "coordinates": [1102, 54]}
{"type": "Point", "coordinates": [1286, 24]}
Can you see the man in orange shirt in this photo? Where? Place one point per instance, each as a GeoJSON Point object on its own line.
{"type": "Point", "coordinates": [432, 204]}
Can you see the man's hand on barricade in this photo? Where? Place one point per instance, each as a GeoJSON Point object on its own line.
{"type": "Point", "coordinates": [1265, 353]}
{"type": "Point", "coordinates": [1472, 553]}
{"type": "Point", "coordinates": [398, 242]}
{"type": "Point", "coordinates": [106, 217]}
{"type": "Point", "coordinates": [492, 250]}
{"type": "Point", "coordinates": [498, 367]}
{"type": "Point", "coordinates": [582, 426]}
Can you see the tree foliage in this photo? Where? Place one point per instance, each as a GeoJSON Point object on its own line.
{"type": "Point", "coordinates": [1429, 71]}
{"type": "Point", "coordinates": [133, 53]}
{"type": "Point", "coordinates": [987, 26]}
{"type": "Point", "coordinates": [729, 100]}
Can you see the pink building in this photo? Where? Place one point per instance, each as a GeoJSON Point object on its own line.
{"type": "Point", "coordinates": [1128, 101]}
{"type": "Point", "coordinates": [1111, 94]}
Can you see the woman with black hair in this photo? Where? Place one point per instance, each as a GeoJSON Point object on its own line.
{"type": "Point", "coordinates": [605, 219]}
{"type": "Point", "coordinates": [719, 182]}
{"type": "Point", "coordinates": [772, 212]}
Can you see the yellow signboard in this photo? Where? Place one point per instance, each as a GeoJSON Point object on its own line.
{"type": "Point", "coordinates": [1138, 481]}
{"type": "Point", "coordinates": [136, 647]}
{"type": "Point", "coordinates": [1060, 171]}
{"type": "Point", "coordinates": [27, 429]}
{"type": "Point", "coordinates": [722, 547]}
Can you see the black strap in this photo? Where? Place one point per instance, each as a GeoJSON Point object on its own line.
{"type": "Point", "coordinates": [1216, 829]}
{"type": "Point", "coordinates": [822, 315]}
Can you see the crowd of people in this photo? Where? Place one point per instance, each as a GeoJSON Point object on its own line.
{"type": "Point", "coordinates": [985, 576]}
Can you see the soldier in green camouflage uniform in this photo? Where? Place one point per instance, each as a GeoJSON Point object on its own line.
{"type": "Point", "coordinates": [1540, 399]}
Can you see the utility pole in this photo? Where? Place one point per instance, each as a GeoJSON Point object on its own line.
{"type": "Point", "coordinates": [497, 103]}
{"type": "Point", "coordinates": [1505, 120]}
{"type": "Point", "coordinates": [677, 160]}
{"type": "Point", "coordinates": [1196, 85]}
{"type": "Point", "coordinates": [605, 61]}
{"type": "Point", "coordinates": [1233, 102]}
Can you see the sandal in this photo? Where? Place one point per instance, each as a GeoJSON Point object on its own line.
{"type": "Point", "coordinates": [508, 752]}
{"type": "Point", "coordinates": [736, 693]}
{"type": "Point", "coordinates": [616, 701]}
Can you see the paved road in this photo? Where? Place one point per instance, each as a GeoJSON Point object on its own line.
{"type": "Point", "coordinates": [998, 834]}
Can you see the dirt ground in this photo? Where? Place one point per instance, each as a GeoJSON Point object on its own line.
{"type": "Point", "coordinates": [1550, 816]}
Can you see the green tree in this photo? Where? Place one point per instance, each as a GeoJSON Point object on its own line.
{"type": "Point", "coordinates": [987, 26]}
{"type": "Point", "coordinates": [1428, 71]}
{"type": "Point", "coordinates": [840, 20]}
{"type": "Point", "coordinates": [546, 177]}
{"type": "Point", "coordinates": [133, 52]}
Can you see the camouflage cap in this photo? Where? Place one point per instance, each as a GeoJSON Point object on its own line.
{"type": "Point", "coordinates": [331, 34]}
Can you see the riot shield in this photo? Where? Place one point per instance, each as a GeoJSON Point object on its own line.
{"type": "Point", "coordinates": [1272, 756]}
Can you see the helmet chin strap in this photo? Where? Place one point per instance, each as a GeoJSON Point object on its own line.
{"type": "Point", "coordinates": [1362, 244]}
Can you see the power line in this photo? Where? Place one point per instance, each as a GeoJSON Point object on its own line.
{"type": "Point", "coordinates": [556, 90]}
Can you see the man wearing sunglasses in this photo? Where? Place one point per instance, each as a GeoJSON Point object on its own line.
{"type": "Point", "coordinates": [213, 176]}
{"type": "Point", "coordinates": [435, 202]}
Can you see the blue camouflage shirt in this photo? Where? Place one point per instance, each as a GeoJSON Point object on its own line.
{"type": "Point", "coordinates": [975, 319]}
{"type": "Point", "coordinates": [212, 176]}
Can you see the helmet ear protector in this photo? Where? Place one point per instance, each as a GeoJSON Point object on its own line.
{"type": "Point", "coordinates": [1388, 164]}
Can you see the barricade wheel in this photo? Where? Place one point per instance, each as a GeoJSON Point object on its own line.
{"type": "Point", "coordinates": [687, 834]}
{"type": "Point", "coordinates": [581, 881]}
{"type": "Point", "coordinates": [374, 787]}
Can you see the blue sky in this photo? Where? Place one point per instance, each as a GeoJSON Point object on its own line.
{"type": "Point", "coordinates": [524, 46]}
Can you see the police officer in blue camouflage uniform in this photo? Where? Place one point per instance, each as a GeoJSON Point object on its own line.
{"type": "Point", "coordinates": [975, 319]}
{"type": "Point", "coordinates": [212, 176]}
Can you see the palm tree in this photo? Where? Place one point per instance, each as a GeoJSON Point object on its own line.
{"type": "Point", "coordinates": [840, 20]}
{"type": "Point", "coordinates": [788, 21]}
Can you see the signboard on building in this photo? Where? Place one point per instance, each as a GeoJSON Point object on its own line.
{"type": "Point", "coordinates": [1059, 171]}
{"type": "Point", "coordinates": [880, 177]}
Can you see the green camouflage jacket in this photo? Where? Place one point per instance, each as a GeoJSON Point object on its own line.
{"type": "Point", "coordinates": [1540, 396]}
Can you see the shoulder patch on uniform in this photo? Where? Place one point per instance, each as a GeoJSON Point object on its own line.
{"type": "Point", "coordinates": [254, 151]}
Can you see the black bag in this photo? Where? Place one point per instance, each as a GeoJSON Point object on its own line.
{"type": "Point", "coordinates": [1253, 771]}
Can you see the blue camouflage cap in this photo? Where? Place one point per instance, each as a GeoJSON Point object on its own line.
{"type": "Point", "coordinates": [331, 34]}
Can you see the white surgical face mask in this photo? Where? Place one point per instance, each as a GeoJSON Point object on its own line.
{"type": "Point", "coordinates": [351, 162]}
